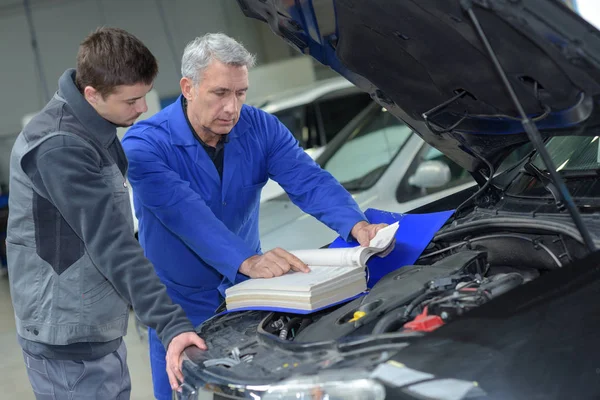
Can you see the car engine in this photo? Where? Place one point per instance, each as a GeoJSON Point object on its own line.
{"type": "Point", "coordinates": [453, 276]}
{"type": "Point", "coordinates": [417, 298]}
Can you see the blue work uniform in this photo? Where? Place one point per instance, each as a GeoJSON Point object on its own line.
{"type": "Point", "coordinates": [196, 227]}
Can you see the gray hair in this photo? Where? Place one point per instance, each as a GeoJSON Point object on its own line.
{"type": "Point", "coordinates": [213, 46]}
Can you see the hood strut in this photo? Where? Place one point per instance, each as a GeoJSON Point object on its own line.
{"type": "Point", "coordinates": [532, 132]}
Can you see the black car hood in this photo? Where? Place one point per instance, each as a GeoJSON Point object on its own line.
{"type": "Point", "coordinates": [413, 55]}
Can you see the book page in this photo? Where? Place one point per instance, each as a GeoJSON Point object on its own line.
{"type": "Point", "coordinates": [384, 238]}
{"type": "Point", "coordinates": [340, 257]}
{"type": "Point", "coordinates": [349, 256]}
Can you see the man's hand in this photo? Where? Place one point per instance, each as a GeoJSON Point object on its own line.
{"type": "Point", "coordinates": [174, 353]}
{"type": "Point", "coordinates": [273, 263]}
{"type": "Point", "coordinates": [363, 232]}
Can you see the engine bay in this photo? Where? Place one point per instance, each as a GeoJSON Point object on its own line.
{"type": "Point", "coordinates": [453, 276]}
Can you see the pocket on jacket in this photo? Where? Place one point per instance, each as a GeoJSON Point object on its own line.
{"type": "Point", "coordinates": [115, 179]}
{"type": "Point", "coordinates": [255, 186]}
{"type": "Point", "coordinates": [102, 304]}
{"type": "Point", "coordinates": [120, 190]}
{"type": "Point", "coordinates": [97, 293]}
{"type": "Point", "coordinates": [27, 286]}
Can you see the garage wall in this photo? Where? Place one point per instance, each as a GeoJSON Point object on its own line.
{"type": "Point", "coordinates": [19, 89]}
{"type": "Point", "coordinates": [58, 41]}
{"type": "Point", "coordinates": [61, 25]}
{"type": "Point", "coordinates": [6, 143]}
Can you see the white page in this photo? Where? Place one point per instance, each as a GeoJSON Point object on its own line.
{"type": "Point", "coordinates": [342, 257]}
{"type": "Point", "coordinates": [384, 237]}
{"type": "Point", "coordinates": [349, 256]}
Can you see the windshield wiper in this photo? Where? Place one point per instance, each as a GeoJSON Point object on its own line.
{"type": "Point", "coordinates": [366, 181]}
{"type": "Point", "coordinates": [546, 180]}
{"type": "Point", "coordinates": [532, 132]}
{"type": "Point", "coordinates": [580, 173]}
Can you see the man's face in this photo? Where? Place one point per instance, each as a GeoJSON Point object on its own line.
{"type": "Point", "coordinates": [214, 105]}
{"type": "Point", "coordinates": [123, 106]}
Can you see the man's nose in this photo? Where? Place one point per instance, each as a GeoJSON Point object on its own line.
{"type": "Point", "coordinates": [231, 105]}
{"type": "Point", "coordinates": [142, 106]}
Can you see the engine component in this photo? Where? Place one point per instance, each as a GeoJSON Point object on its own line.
{"type": "Point", "coordinates": [234, 359]}
{"type": "Point", "coordinates": [284, 326]}
{"type": "Point", "coordinates": [443, 299]}
{"type": "Point", "coordinates": [424, 322]}
{"type": "Point", "coordinates": [472, 294]}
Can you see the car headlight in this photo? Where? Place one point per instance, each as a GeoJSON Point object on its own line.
{"type": "Point", "coordinates": [334, 385]}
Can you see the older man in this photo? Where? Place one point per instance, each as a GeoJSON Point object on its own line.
{"type": "Point", "coordinates": [197, 169]}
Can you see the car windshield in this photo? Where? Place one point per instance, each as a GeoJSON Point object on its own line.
{"type": "Point", "coordinates": [572, 153]}
{"type": "Point", "coordinates": [576, 158]}
{"type": "Point", "coordinates": [293, 119]}
{"type": "Point", "coordinates": [368, 151]}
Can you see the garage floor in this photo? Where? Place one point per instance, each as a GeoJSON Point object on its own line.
{"type": "Point", "coordinates": [13, 377]}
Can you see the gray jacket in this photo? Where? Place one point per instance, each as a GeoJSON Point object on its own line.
{"type": "Point", "coordinates": [74, 263]}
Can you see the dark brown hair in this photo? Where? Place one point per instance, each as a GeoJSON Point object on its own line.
{"type": "Point", "coordinates": [110, 57]}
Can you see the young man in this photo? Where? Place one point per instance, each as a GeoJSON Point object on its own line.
{"type": "Point", "coordinates": [74, 263]}
{"type": "Point", "coordinates": [197, 168]}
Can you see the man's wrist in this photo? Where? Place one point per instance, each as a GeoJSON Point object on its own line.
{"type": "Point", "coordinates": [358, 226]}
{"type": "Point", "coordinates": [245, 265]}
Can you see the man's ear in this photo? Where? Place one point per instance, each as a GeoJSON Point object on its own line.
{"type": "Point", "coordinates": [187, 88]}
{"type": "Point", "coordinates": [91, 95]}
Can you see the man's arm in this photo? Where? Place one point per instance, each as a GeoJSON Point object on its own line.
{"type": "Point", "coordinates": [66, 171]}
{"type": "Point", "coordinates": [182, 210]}
{"type": "Point", "coordinates": [310, 187]}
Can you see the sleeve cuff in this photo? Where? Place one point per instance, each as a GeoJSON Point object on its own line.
{"type": "Point", "coordinates": [172, 332]}
{"type": "Point", "coordinates": [346, 229]}
{"type": "Point", "coordinates": [237, 260]}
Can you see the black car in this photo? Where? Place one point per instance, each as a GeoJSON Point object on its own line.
{"type": "Point", "coordinates": [503, 303]}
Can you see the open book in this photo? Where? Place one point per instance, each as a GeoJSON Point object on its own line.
{"type": "Point", "coordinates": [336, 275]}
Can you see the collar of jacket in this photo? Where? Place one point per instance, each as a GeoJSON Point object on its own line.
{"type": "Point", "coordinates": [104, 130]}
{"type": "Point", "coordinates": [180, 132]}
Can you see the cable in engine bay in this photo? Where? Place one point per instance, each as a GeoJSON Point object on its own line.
{"type": "Point", "coordinates": [497, 236]}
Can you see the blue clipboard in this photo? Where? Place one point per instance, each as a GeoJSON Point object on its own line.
{"type": "Point", "coordinates": [414, 233]}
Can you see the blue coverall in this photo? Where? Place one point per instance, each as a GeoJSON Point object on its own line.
{"type": "Point", "coordinates": [196, 228]}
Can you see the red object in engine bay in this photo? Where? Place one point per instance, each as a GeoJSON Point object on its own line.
{"type": "Point", "coordinates": [424, 322]}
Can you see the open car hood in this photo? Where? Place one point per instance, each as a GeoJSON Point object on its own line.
{"type": "Point", "coordinates": [413, 55]}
